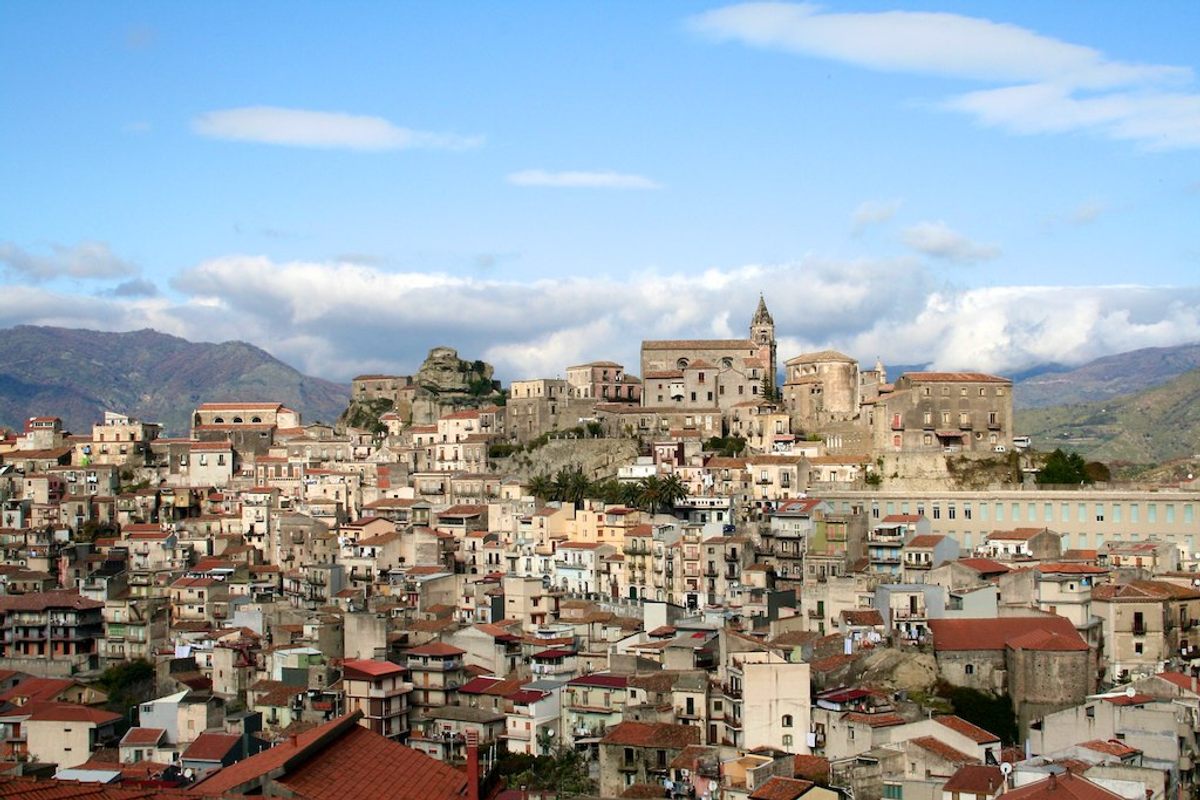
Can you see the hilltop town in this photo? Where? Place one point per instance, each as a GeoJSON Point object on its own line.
{"type": "Point", "coordinates": [737, 574]}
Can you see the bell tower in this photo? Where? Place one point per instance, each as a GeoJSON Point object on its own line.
{"type": "Point", "coordinates": [762, 333]}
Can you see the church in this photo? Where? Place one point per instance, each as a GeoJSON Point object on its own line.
{"type": "Point", "coordinates": [711, 374]}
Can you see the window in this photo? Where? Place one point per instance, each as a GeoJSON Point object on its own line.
{"type": "Point", "coordinates": [1091, 712]}
{"type": "Point", "coordinates": [969, 669]}
{"type": "Point", "coordinates": [787, 741]}
{"type": "Point", "coordinates": [787, 721]}
{"type": "Point", "coordinates": [893, 791]}
{"type": "Point", "coordinates": [629, 755]}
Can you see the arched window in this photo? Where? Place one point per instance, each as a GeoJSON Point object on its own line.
{"type": "Point", "coordinates": [787, 720]}
{"type": "Point", "coordinates": [237, 420]}
{"type": "Point", "coordinates": [256, 420]}
{"type": "Point", "coordinates": [727, 362]}
{"type": "Point", "coordinates": [218, 420]}
{"type": "Point", "coordinates": [681, 363]}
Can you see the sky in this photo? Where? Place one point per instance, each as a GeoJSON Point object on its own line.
{"type": "Point", "coordinates": [984, 185]}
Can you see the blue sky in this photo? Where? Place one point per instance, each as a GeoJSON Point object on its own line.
{"type": "Point", "coordinates": [978, 185]}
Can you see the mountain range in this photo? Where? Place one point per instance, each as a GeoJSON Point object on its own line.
{"type": "Point", "coordinates": [80, 374]}
{"type": "Point", "coordinates": [1142, 406]}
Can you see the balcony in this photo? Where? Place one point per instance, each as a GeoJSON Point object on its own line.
{"type": "Point", "coordinates": [710, 572]}
{"type": "Point", "coordinates": [732, 556]}
{"type": "Point", "coordinates": [1139, 629]}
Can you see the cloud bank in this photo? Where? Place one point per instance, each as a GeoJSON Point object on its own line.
{"type": "Point", "coordinates": [337, 319]}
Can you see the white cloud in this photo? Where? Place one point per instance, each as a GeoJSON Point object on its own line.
{"type": "Point", "coordinates": [1048, 85]}
{"type": "Point", "coordinates": [322, 129]}
{"type": "Point", "coordinates": [581, 180]}
{"type": "Point", "coordinates": [334, 319]}
{"type": "Point", "coordinates": [939, 240]}
{"type": "Point", "coordinates": [87, 260]}
{"type": "Point", "coordinates": [873, 212]}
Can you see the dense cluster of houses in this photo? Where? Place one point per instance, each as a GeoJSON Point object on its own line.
{"type": "Point", "coordinates": [336, 612]}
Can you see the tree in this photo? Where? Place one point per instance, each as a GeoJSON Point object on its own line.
{"type": "Point", "coordinates": [672, 491]}
{"type": "Point", "coordinates": [541, 486]}
{"type": "Point", "coordinates": [571, 485]}
{"type": "Point", "coordinates": [564, 771]}
{"type": "Point", "coordinates": [1063, 469]}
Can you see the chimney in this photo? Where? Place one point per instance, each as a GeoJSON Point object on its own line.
{"type": "Point", "coordinates": [1050, 788]}
{"type": "Point", "coordinates": [472, 765]}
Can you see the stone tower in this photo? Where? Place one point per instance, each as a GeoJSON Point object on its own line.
{"type": "Point", "coordinates": [762, 333]}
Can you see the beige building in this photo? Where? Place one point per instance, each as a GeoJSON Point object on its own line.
{"type": "Point", "coordinates": [821, 387]}
{"type": "Point", "coordinates": [1084, 518]}
{"type": "Point", "coordinates": [1145, 624]}
{"type": "Point", "coordinates": [935, 412]}
{"type": "Point", "coordinates": [710, 373]}
{"type": "Point", "coordinates": [603, 381]}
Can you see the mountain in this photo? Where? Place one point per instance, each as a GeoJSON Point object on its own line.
{"type": "Point", "coordinates": [1150, 426]}
{"type": "Point", "coordinates": [1120, 374]}
{"type": "Point", "coordinates": [80, 374]}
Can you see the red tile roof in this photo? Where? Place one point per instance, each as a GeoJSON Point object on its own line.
{"type": "Point", "coordinates": [970, 730]}
{"type": "Point", "coordinates": [778, 788]}
{"type": "Point", "coordinates": [211, 746]}
{"type": "Point", "coordinates": [1185, 682]}
{"type": "Point", "coordinates": [815, 768]}
{"type": "Point", "coordinates": [341, 759]}
{"type": "Point", "coordinates": [996, 633]}
{"type": "Point", "coordinates": [1066, 786]}
{"type": "Point", "coordinates": [602, 679]}
{"type": "Point", "coordinates": [974, 779]}
{"type": "Point", "coordinates": [1112, 747]}
{"type": "Point", "coordinates": [954, 377]}
{"type": "Point", "coordinates": [652, 734]}
{"type": "Point", "coordinates": [143, 736]}
{"type": "Point", "coordinates": [943, 750]}
{"type": "Point", "coordinates": [436, 649]}
{"type": "Point", "coordinates": [925, 540]}
{"type": "Point", "coordinates": [368, 668]}
{"type": "Point", "coordinates": [41, 601]}
{"type": "Point", "coordinates": [69, 712]}
{"type": "Point", "coordinates": [1135, 591]}
{"type": "Point", "coordinates": [984, 566]}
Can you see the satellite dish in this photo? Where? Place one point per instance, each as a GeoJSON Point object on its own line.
{"type": "Point", "coordinates": [712, 786]}
{"type": "Point", "coordinates": [189, 773]}
{"type": "Point", "coordinates": [550, 733]}
{"type": "Point", "coordinates": [1130, 691]}
{"type": "Point", "coordinates": [1005, 768]}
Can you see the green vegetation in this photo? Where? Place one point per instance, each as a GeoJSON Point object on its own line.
{"type": "Point", "coordinates": [564, 772]}
{"type": "Point", "coordinates": [571, 485]}
{"type": "Point", "coordinates": [727, 446]}
{"type": "Point", "coordinates": [1061, 468]}
{"type": "Point", "coordinates": [127, 684]}
{"type": "Point", "coordinates": [1150, 427]}
{"type": "Point", "coordinates": [365, 414]}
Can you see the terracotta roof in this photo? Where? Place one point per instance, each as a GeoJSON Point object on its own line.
{"type": "Point", "coordinates": [369, 668]}
{"type": "Point", "coordinates": [652, 734]}
{"type": "Point", "coordinates": [779, 788]}
{"type": "Point", "coordinates": [1015, 535]}
{"type": "Point", "coordinates": [41, 601]}
{"type": "Point", "coordinates": [925, 540]}
{"type": "Point", "coordinates": [943, 750]}
{"type": "Point", "coordinates": [984, 566]}
{"type": "Point", "coordinates": [995, 633]}
{"type": "Point", "coordinates": [874, 720]}
{"type": "Point", "coordinates": [1112, 747]}
{"type": "Point", "coordinates": [1135, 591]}
{"type": "Point", "coordinates": [865, 616]}
{"type": "Point", "coordinates": [975, 779]}
{"type": "Point", "coordinates": [903, 518]}
{"type": "Point", "coordinates": [968, 729]}
{"type": "Point", "coordinates": [602, 679]}
{"type": "Point", "coordinates": [699, 344]}
{"type": "Point", "coordinates": [37, 690]}
{"type": "Point", "coordinates": [954, 377]}
{"type": "Point", "coordinates": [143, 736]}
{"type": "Point", "coordinates": [436, 649]}
{"type": "Point", "coordinates": [1185, 682]}
{"type": "Point", "coordinates": [1066, 786]}
{"type": "Point", "coordinates": [1062, 568]}
{"type": "Point", "coordinates": [211, 746]}
{"type": "Point", "coordinates": [69, 712]}
{"type": "Point", "coordinates": [341, 759]}
{"type": "Point", "coordinates": [814, 768]}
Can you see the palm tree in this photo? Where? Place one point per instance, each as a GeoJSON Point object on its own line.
{"type": "Point", "coordinates": [571, 485]}
{"type": "Point", "coordinates": [541, 486]}
{"type": "Point", "coordinates": [672, 490]}
{"type": "Point", "coordinates": [650, 493]}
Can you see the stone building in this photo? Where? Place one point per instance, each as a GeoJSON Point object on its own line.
{"type": "Point", "coordinates": [938, 412]}
{"type": "Point", "coordinates": [711, 373]}
{"type": "Point", "coordinates": [821, 387]}
{"type": "Point", "coordinates": [1042, 663]}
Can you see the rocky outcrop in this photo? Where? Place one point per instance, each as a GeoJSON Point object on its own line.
{"type": "Point", "coordinates": [445, 373]}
